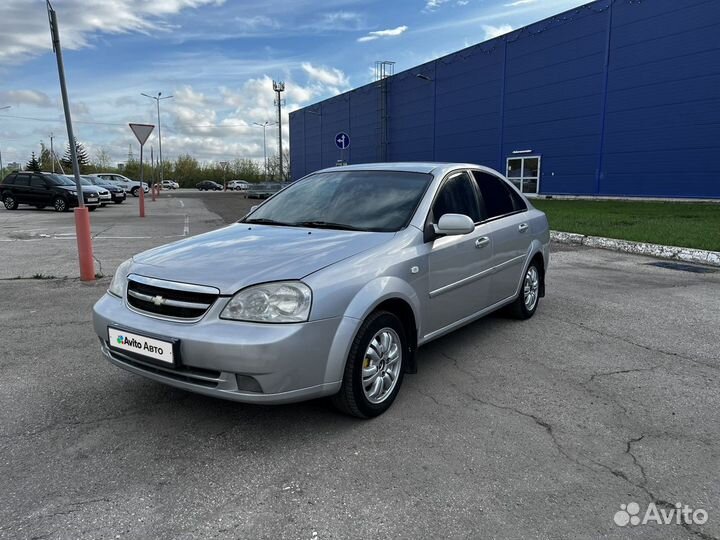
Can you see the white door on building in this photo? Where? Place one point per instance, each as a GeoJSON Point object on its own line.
{"type": "Point", "coordinates": [524, 172]}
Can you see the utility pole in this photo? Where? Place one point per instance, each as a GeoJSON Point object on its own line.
{"type": "Point", "coordinates": [52, 152]}
{"type": "Point", "coordinates": [279, 88]}
{"type": "Point", "coordinates": [2, 169]}
{"type": "Point", "coordinates": [157, 99]}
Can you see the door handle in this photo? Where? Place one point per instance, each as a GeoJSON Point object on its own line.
{"type": "Point", "coordinates": [482, 242]}
{"type": "Point", "coordinates": [523, 227]}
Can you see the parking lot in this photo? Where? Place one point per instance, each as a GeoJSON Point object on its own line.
{"type": "Point", "coordinates": [543, 428]}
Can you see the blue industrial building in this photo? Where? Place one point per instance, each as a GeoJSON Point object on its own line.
{"type": "Point", "coordinates": [615, 98]}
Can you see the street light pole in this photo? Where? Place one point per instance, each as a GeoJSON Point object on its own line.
{"type": "Point", "coordinates": [2, 169]}
{"type": "Point", "coordinates": [157, 99]}
{"type": "Point", "coordinates": [265, 125]}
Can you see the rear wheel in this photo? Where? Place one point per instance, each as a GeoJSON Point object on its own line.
{"type": "Point", "coordinates": [374, 368]}
{"type": "Point", "coordinates": [10, 202]}
{"type": "Point", "coordinates": [526, 303]}
{"type": "Point", "coordinates": [60, 204]}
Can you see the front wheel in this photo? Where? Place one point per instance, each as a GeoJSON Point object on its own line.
{"type": "Point", "coordinates": [91, 208]}
{"type": "Point", "coordinates": [135, 191]}
{"type": "Point", "coordinates": [374, 368]}
{"type": "Point", "coordinates": [119, 201]}
{"type": "Point", "coordinates": [527, 300]}
{"type": "Point", "coordinates": [60, 204]}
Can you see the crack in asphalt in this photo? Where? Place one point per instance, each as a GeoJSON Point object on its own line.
{"type": "Point", "coordinates": [620, 372]}
{"type": "Point", "coordinates": [642, 486]}
{"type": "Point", "coordinates": [634, 343]}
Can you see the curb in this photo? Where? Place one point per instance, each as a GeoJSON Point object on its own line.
{"type": "Point", "coordinates": [700, 256]}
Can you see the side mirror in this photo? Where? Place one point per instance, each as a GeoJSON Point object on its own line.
{"type": "Point", "coordinates": [454, 224]}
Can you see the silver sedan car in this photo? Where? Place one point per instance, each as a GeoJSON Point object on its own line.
{"type": "Point", "coordinates": [329, 287]}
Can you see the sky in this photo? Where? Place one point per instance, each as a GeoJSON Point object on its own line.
{"type": "Point", "coordinates": [217, 58]}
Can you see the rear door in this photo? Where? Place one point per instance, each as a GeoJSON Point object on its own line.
{"type": "Point", "coordinates": [21, 188]}
{"type": "Point", "coordinates": [507, 216]}
{"type": "Point", "coordinates": [457, 265]}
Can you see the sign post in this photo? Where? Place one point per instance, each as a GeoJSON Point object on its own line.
{"type": "Point", "coordinates": [82, 217]}
{"type": "Point", "coordinates": [342, 141]}
{"type": "Point", "coordinates": [142, 132]}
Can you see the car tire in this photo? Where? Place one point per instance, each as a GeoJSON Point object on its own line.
{"type": "Point", "coordinates": [60, 204]}
{"type": "Point", "coordinates": [526, 303]}
{"type": "Point", "coordinates": [91, 208]}
{"type": "Point", "coordinates": [380, 343]}
{"type": "Point", "coordinates": [10, 202]}
{"type": "Point", "coordinates": [120, 201]}
{"type": "Point", "coordinates": [135, 191]}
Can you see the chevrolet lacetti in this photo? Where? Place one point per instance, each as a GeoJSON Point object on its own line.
{"type": "Point", "coordinates": [329, 287]}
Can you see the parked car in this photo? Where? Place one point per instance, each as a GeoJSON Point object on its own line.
{"type": "Point", "coordinates": [329, 287]}
{"type": "Point", "coordinates": [208, 185]}
{"type": "Point", "coordinates": [117, 194]}
{"type": "Point", "coordinates": [169, 184]}
{"type": "Point", "coordinates": [238, 185]}
{"type": "Point", "coordinates": [104, 194]}
{"type": "Point", "coordinates": [41, 189]}
{"type": "Point", "coordinates": [130, 186]}
{"type": "Point", "coordinates": [263, 191]}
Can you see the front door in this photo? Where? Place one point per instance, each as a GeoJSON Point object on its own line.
{"type": "Point", "coordinates": [457, 265]}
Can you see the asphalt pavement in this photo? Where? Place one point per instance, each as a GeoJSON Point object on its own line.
{"type": "Point", "coordinates": [535, 429]}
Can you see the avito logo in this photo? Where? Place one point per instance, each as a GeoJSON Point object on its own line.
{"type": "Point", "coordinates": [130, 342]}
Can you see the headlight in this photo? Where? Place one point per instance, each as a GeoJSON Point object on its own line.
{"type": "Point", "coordinates": [279, 302]}
{"type": "Point", "coordinates": [73, 192]}
{"type": "Point", "coordinates": [118, 285]}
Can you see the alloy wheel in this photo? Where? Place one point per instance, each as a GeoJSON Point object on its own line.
{"type": "Point", "coordinates": [531, 287]}
{"type": "Point", "coordinates": [381, 365]}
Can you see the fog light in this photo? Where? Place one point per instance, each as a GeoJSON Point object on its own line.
{"type": "Point", "coordinates": [246, 383]}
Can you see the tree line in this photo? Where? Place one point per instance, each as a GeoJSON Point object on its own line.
{"type": "Point", "coordinates": [185, 170]}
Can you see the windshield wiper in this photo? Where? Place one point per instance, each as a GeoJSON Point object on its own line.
{"type": "Point", "coordinates": [266, 221]}
{"type": "Point", "coordinates": [328, 225]}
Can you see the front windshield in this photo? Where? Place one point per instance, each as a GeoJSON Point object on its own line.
{"type": "Point", "coordinates": [59, 180]}
{"type": "Point", "coordinates": [355, 200]}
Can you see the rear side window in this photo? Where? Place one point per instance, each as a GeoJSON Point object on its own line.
{"type": "Point", "coordinates": [497, 195]}
{"type": "Point", "coordinates": [457, 196]}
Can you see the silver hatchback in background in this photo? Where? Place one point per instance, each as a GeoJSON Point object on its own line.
{"type": "Point", "coordinates": [329, 287]}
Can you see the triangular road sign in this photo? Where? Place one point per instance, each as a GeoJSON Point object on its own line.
{"type": "Point", "coordinates": [142, 131]}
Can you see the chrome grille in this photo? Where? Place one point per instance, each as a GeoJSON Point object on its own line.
{"type": "Point", "coordinates": [169, 299]}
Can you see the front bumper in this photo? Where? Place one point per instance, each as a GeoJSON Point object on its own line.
{"type": "Point", "coordinates": [289, 362]}
{"type": "Point", "coordinates": [118, 196]}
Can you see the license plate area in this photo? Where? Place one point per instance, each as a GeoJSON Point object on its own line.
{"type": "Point", "coordinates": [155, 350]}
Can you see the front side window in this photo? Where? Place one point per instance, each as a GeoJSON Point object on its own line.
{"type": "Point", "coordinates": [37, 181]}
{"type": "Point", "coordinates": [382, 201]}
{"type": "Point", "coordinates": [457, 196]}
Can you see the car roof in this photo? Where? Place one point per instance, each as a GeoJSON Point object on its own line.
{"type": "Point", "coordinates": [435, 167]}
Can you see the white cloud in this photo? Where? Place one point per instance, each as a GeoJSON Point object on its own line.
{"type": "Point", "coordinates": [329, 76]}
{"type": "Point", "coordinates": [463, 2]}
{"type": "Point", "coordinates": [25, 31]}
{"type": "Point", "coordinates": [432, 5]}
{"type": "Point", "coordinates": [520, 3]}
{"type": "Point", "coordinates": [495, 31]}
{"type": "Point", "coordinates": [390, 32]}
{"type": "Point", "coordinates": [26, 97]}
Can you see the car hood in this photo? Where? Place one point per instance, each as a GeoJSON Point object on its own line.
{"type": "Point", "coordinates": [86, 189]}
{"type": "Point", "coordinates": [242, 254]}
